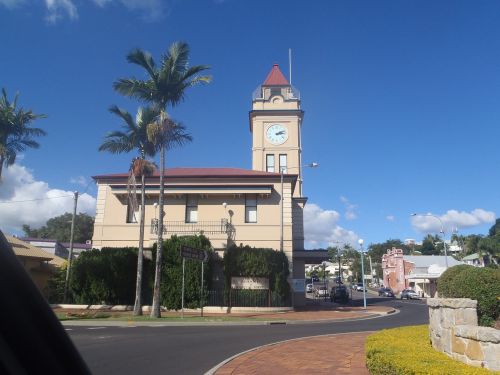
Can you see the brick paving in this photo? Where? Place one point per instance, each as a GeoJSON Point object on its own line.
{"type": "Point", "coordinates": [332, 354]}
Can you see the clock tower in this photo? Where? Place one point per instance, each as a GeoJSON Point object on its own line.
{"type": "Point", "coordinates": [275, 124]}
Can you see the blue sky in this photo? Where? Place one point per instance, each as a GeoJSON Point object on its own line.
{"type": "Point", "coordinates": [401, 101]}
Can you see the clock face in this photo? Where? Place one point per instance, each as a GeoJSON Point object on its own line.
{"type": "Point", "coordinates": [277, 134]}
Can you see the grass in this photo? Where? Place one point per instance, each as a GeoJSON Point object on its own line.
{"type": "Point", "coordinates": [127, 316]}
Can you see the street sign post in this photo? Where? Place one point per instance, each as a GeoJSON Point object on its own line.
{"type": "Point", "coordinates": [199, 255]}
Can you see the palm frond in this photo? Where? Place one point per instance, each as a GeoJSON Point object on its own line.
{"type": "Point", "coordinates": [143, 59]}
{"type": "Point", "coordinates": [177, 58]}
{"type": "Point", "coordinates": [132, 87]}
{"type": "Point", "coordinates": [124, 115]}
{"type": "Point", "coordinates": [116, 146]}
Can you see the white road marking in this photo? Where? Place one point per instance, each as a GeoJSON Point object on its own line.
{"type": "Point", "coordinates": [96, 328]}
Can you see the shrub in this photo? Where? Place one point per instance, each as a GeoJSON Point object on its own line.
{"type": "Point", "coordinates": [171, 278]}
{"type": "Point", "coordinates": [407, 350]}
{"type": "Point", "coordinates": [480, 284]}
{"type": "Point", "coordinates": [109, 276]}
{"type": "Point", "coordinates": [248, 261]}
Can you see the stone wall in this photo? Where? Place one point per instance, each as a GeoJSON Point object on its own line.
{"type": "Point", "coordinates": [454, 331]}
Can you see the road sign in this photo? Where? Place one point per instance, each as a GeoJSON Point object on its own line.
{"type": "Point", "coordinates": [193, 253]}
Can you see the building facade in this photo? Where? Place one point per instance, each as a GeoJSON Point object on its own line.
{"type": "Point", "coordinates": [417, 272]}
{"type": "Point", "coordinates": [261, 207]}
{"type": "Point", "coordinates": [39, 264]}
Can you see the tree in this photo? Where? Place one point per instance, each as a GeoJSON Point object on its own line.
{"type": "Point", "coordinates": [135, 137]}
{"type": "Point", "coordinates": [495, 229]}
{"type": "Point", "coordinates": [16, 133]}
{"type": "Point", "coordinates": [428, 246]}
{"type": "Point", "coordinates": [59, 228]}
{"type": "Point", "coordinates": [165, 86]}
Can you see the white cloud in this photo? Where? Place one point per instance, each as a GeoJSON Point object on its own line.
{"type": "Point", "coordinates": [151, 10]}
{"type": "Point", "coordinates": [57, 9]}
{"type": "Point", "coordinates": [453, 219]}
{"type": "Point", "coordinates": [390, 218]}
{"type": "Point", "coordinates": [350, 209]}
{"type": "Point", "coordinates": [23, 200]}
{"type": "Point", "coordinates": [11, 4]}
{"type": "Point", "coordinates": [321, 228]}
{"type": "Point", "coordinates": [79, 180]}
{"type": "Point", "coordinates": [102, 3]}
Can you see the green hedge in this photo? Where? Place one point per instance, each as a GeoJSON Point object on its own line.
{"type": "Point", "coordinates": [249, 261]}
{"type": "Point", "coordinates": [407, 351]}
{"type": "Point", "coordinates": [171, 280]}
{"type": "Point", "coordinates": [480, 284]}
{"type": "Point", "coordinates": [108, 276]}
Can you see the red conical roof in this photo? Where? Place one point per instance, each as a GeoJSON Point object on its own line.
{"type": "Point", "coordinates": [276, 78]}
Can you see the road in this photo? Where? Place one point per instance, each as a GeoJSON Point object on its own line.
{"type": "Point", "coordinates": [194, 350]}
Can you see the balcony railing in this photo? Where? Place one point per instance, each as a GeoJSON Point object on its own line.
{"type": "Point", "coordinates": [181, 227]}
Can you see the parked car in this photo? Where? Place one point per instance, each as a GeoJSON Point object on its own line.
{"type": "Point", "coordinates": [409, 294]}
{"type": "Point", "coordinates": [322, 291]}
{"type": "Point", "coordinates": [386, 292]}
{"type": "Point", "coordinates": [359, 287]}
{"type": "Point", "coordinates": [309, 288]}
{"type": "Point", "coordinates": [339, 293]}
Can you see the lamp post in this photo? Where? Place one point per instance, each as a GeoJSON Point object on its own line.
{"type": "Point", "coordinates": [361, 242]}
{"type": "Point", "coordinates": [441, 231]}
{"type": "Point", "coordinates": [282, 171]}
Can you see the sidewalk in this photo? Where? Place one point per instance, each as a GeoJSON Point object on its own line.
{"type": "Point", "coordinates": [331, 354]}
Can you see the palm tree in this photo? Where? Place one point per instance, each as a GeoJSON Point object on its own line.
{"type": "Point", "coordinates": [165, 86]}
{"type": "Point", "coordinates": [134, 136]}
{"type": "Point", "coordinates": [15, 132]}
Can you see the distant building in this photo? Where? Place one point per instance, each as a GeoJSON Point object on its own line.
{"type": "Point", "coordinates": [418, 272]}
{"type": "Point", "coordinates": [477, 260]}
{"type": "Point", "coordinates": [39, 264]}
{"type": "Point", "coordinates": [60, 249]}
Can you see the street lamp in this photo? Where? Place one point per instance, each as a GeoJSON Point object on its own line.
{"type": "Point", "coordinates": [282, 171]}
{"type": "Point", "coordinates": [441, 231]}
{"type": "Point", "coordinates": [361, 242]}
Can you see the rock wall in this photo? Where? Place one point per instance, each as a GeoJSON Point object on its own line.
{"type": "Point", "coordinates": [454, 331]}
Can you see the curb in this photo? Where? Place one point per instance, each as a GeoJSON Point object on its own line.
{"type": "Point", "coordinates": [214, 369]}
{"type": "Point", "coordinates": [130, 323]}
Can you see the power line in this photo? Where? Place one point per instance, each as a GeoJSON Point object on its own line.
{"type": "Point", "coordinates": [36, 199]}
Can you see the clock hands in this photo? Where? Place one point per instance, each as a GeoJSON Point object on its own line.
{"type": "Point", "coordinates": [280, 132]}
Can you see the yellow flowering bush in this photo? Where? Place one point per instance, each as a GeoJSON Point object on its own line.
{"type": "Point", "coordinates": [408, 351]}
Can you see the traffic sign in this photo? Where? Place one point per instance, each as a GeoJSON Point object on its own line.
{"type": "Point", "coordinates": [193, 253]}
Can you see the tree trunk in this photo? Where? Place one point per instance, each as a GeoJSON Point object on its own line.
{"type": "Point", "coordinates": [2, 159]}
{"type": "Point", "coordinates": [140, 255]}
{"type": "Point", "coordinates": [155, 309]}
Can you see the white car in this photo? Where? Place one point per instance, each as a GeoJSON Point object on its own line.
{"type": "Point", "coordinates": [359, 287]}
{"type": "Point", "coordinates": [309, 288]}
{"type": "Point", "coordinates": [409, 294]}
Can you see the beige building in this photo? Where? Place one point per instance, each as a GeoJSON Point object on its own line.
{"type": "Point", "coordinates": [39, 264]}
{"type": "Point", "coordinates": [228, 205]}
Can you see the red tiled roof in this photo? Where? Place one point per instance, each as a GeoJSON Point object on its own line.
{"type": "Point", "coordinates": [276, 78]}
{"type": "Point", "coordinates": [199, 172]}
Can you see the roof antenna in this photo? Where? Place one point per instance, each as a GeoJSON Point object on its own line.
{"type": "Point", "coordinates": [290, 64]}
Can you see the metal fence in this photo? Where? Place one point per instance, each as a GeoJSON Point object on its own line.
{"type": "Point", "coordinates": [181, 227]}
{"type": "Point", "coordinates": [246, 298]}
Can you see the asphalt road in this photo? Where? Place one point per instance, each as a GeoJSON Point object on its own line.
{"type": "Point", "coordinates": [194, 350]}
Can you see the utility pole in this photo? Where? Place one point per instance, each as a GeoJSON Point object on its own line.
{"type": "Point", "coordinates": [371, 269]}
{"type": "Point", "coordinates": [70, 256]}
